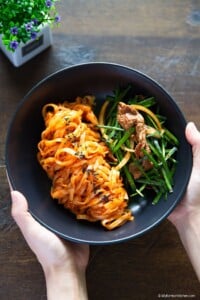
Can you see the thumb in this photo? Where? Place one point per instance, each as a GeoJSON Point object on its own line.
{"type": "Point", "coordinates": [192, 134]}
{"type": "Point", "coordinates": [19, 210]}
{"type": "Point", "coordinates": [193, 137]}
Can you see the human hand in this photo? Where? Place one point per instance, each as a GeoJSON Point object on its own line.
{"type": "Point", "coordinates": [190, 205]}
{"type": "Point", "coordinates": [186, 216]}
{"type": "Point", "coordinates": [63, 262]}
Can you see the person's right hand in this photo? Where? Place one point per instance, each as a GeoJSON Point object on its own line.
{"type": "Point", "coordinates": [190, 205]}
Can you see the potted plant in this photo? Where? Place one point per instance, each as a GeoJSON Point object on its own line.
{"type": "Point", "coordinates": [24, 28]}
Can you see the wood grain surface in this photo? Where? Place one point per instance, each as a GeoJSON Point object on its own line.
{"type": "Point", "coordinates": [159, 38]}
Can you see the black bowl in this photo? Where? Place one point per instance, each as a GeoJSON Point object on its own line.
{"type": "Point", "coordinates": [26, 175]}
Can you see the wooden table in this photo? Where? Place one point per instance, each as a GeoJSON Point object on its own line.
{"type": "Point", "coordinates": [160, 38]}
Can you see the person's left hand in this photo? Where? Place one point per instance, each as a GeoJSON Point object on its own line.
{"type": "Point", "coordinates": [51, 251]}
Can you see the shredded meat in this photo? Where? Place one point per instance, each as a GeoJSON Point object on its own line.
{"type": "Point", "coordinates": [136, 172]}
{"type": "Point", "coordinates": [147, 165]}
{"type": "Point", "coordinates": [128, 117]}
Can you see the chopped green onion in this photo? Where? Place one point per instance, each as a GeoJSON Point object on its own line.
{"type": "Point", "coordinates": [110, 127]}
{"type": "Point", "coordinates": [126, 135]}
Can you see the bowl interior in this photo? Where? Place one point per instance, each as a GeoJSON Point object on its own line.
{"type": "Point", "coordinates": [26, 175]}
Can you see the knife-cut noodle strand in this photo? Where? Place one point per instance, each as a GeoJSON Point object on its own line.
{"type": "Point", "coordinates": [72, 153]}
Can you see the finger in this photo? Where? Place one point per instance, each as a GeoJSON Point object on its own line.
{"type": "Point", "coordinates": [19, 211]}
{"type": "Point", "coordinates": [192, 134]}
{"type": "Point", "coordinates": [29, 227]}
{"type": "Point", "coordinates": [193, 137]}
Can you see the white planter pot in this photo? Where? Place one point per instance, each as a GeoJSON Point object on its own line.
{"type": "Point", "coordinates": [25, 52]}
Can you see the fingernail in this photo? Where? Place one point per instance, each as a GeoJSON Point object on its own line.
{"type": "Point", "coordinates": [192, 125]}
